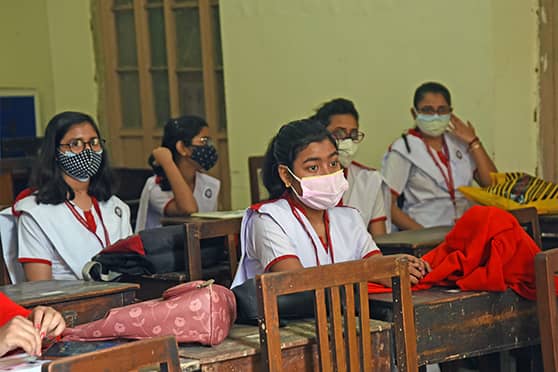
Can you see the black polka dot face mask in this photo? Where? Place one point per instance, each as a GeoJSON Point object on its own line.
{"type": "Point", "coordinates": [206, 156]}
{"type": "Point", "coordinates": [80, 166]}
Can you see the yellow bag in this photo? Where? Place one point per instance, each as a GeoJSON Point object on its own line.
{"type": "Point", "coordinates": [514, 190]}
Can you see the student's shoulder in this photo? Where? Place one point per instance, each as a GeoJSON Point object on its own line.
{"type": "Point", "coordinates": [361, 167]}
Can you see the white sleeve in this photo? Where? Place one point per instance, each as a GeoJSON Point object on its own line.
{"type": "Point", "coordinates": [395, 170]}
{"type": "Point", "coordinates": [368, 246]}
{"type": "Point", "coordinates": [378, 208]}
{"type": "Point", "coordinates": [270, 243]}
{"type": "Point", "coordinates": [33, 244]}
{"type": "Point", "coordinates": [158, 199]}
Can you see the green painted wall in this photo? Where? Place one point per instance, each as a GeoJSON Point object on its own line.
{"type": "Point", "coordinates": [47, 45]}
{"type": "Point", "coordinates": [283, 58]}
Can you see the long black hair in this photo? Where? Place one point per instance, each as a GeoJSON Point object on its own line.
{"type": "Point", "coordinates": [184, 129]}
{"type": "Point", "coordinates": [47, 178]}
{"type": "Point", "coordinates": [283, 149]}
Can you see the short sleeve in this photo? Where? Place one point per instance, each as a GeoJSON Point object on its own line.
{"type": "Point", "coordinates": [378, 208]}
{"type": "Point", "coordinates": [33, 244]}
{"type": "Point", "coordinates": [159, 199]}
{"type": "Point", "coordinates": [395, 170]}
{"type": "Point", "coordinates": [270, 242]}
{"type": "Point", "coordinates": [369, 247]}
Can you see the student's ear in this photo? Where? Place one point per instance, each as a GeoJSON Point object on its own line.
{"type": "Point", "coordinates": [285, 176]}
{"type": "Point", "coordinates": [413, 113]}
{"type": "Point", "coordinates": [182, 149]}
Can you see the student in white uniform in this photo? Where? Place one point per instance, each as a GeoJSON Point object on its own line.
{"type": "Point", "coordinates": [179, 187]}
{"type": "Point", "coordinates": [302, 224]}
{"type": "Point", "coordinates": [366, 185]}
{"type": "Point", "coordinates": [430, 161]}
{"type": "Point", "coordinates": [70, 213]}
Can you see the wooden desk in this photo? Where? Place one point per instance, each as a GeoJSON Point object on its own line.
{"type": "Point", "coordinates": [78, 301]}
{"type": "Point", "coordinates": [413, 242]}
{"type": "Point", "coordinates": [204, 228]}
{"type": "Point", "coordinates": [241, 350]}
{"type": "Point", "coordinates": [460, 325]}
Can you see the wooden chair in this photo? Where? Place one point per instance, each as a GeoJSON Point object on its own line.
{"type": "Point", "coordinates": [529, 219]}
{"type": "Point", "coordinates": [196, 231]}
{"type": "Point", "coordinates": [255, 165]}
{"type": "Point", "coordinates": [546, 266]}
{"type": "Point", "coordinates": [14, 177]}
{"type": "Point", "coordinates": [337, 333]}
{"type": "Point", "coordinates": [162, 351]}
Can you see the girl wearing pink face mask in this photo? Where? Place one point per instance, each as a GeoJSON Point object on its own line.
{"type": "Point", "coordinates": [302, 224]}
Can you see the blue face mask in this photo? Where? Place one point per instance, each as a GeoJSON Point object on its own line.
{"type": "Point", "coordinates": [206, 156]}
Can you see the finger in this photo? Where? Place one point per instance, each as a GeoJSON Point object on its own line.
{"type": "Point", "coordinates": [24, 335]}
{"type": "Point", "coordinates": [37, 316]}
{"type": "Point", "coordinates": [57, 325]}
{"type": "Point", "coordinates": [469, 124]}
{"type": "Point", "coordinates": [451, 126]}
{"type": "Point", "coordinates": [427, 266]}
{"type": "Point", "coordinates": [59, 328]}
{"type": "Point", "coordinates": [48, 319]}
{"type": "Point", "coordinates": [419, 267]}
{"type": "Point", "coordinates": [414, 272]}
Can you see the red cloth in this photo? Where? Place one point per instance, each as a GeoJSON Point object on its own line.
{"type": "Point", "coordinates": [10, 309]}
{"type": "Point", "coordinates": [486, 250]}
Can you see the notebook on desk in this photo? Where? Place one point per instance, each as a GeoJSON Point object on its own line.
{"type": "Point", "coordinates": [220, 214]}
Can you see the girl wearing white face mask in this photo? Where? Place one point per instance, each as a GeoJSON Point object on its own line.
{"type": "Point", "coordinates": [301, 225]}
{"type": "Point", "coordinates": [425, 167]}
{"type": "Point", "coordinates": [366, 186]}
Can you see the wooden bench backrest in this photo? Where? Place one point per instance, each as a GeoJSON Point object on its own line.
{"type": "Point", "coordinates": [546, 266]}
{"type": "Point", "coordinates": [529, 219]}
{"type": "Point", "coordinates": [195, 232]}
{"type": "Point", "coordinates": [340, 346]}
{"type": "Point", "coordinates": [162, 351]}
{"type": "Point", "coordinates": [257, 191]}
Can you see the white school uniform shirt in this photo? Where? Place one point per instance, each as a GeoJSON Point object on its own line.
{"type": "Point", "coordinates": [365, 193]}
{"type": "Point", "coordinates": [154, 201]}
{"type": "Point", "coordinates": [52, 234]}
{"type": "Point", "coordinates": [416, 175]}
{"type": "Point", "coordinates": [276, 230]}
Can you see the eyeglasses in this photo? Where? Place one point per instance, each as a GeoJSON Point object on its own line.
{"type": "Point", "coordinates": [429, 110]}
{"type": "Point", "coordinates": [77, 145]}
{"type": "Point", "coordinates": [206, 141]}
{"type": "Point", "coordinates": [354, 135]}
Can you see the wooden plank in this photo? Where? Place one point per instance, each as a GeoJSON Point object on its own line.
{"type": "Point", "coordinates": [240, 351]}
{"type": "Point", "coordinates": [351, 329]}
{"type": "Point", "coordinates": [477, 323]}
{"type": "Point", "coordinates": [78, 301]}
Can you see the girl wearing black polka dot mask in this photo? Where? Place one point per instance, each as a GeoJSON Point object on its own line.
{"type": "Point", "coordinates": [70, 213]}
{"type": "Point", "coordinates": [180, 186]}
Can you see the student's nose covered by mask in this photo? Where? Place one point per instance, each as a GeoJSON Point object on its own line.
{"type": "Point", "coordinates": [321, 192]}
{"type": "Point", "coordinates": [206, 156]}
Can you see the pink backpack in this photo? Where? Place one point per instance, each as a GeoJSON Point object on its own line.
{"type": "Point", "coordinates": [197, 311]}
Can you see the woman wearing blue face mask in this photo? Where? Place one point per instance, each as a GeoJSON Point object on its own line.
{"type": "Point", "coordinates": [301, 225]}
{"type": "Point", "coordinates": [179, 186]}
{"type": "Point", "coordinates": [425, 167]}
{"type": "Point", "coordinates": [69, 214]}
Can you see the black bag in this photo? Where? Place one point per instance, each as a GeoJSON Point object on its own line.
{"type": "Point", "coordinates": [293, 306]}
{"type": "Point", "coordinates": [154, 251]}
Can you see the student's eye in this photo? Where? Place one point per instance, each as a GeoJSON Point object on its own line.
{"type": "Point", "coordinates": [312, 168]}
{"type": "Point", "coordinates": [334, 163]}
{"type": "Point", "coordinates": [77, 143]}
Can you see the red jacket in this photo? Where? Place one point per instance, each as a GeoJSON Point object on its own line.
{"type": "Point", "coordinates": [9, 310]}
{"type": "Point", "coordinates": [486, 250]}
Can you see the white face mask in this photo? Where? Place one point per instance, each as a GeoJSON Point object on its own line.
{"type": "Point", "coordinates": [432, 125]}
{"type": "Point", "coordinates": [347, 151]}
{"type": "Point", "coordinates": [321, 192]}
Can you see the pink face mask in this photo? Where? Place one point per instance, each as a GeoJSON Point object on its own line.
{"type": "Point", "coordinates": [321, 192]}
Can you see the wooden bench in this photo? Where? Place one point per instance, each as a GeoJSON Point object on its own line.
{"type": "Point", "coordinates": [78, 301]}
{"type": "Point", "coordinates": [414, 242]}
{"type": "Point", "coordinates": [452, 325]}
{"type": "Point", "coordinates": [241, 349]}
